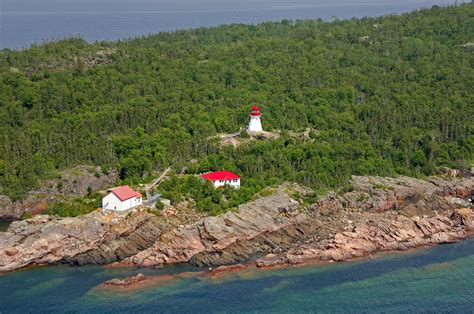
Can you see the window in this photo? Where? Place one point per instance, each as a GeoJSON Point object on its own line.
{"type": "Point", "coordinates": [221, 181]}
{"type": "Point", "coordinates": [235, 180]}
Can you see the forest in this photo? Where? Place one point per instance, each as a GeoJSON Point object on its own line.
{"type": "Point", "coordinates": [391, 95]}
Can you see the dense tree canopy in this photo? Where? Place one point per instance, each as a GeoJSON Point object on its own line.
{"type": "Point", "coordinates": [387, 95]}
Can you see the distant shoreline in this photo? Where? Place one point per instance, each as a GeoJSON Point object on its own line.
{"type": "Point", "coordinates": [276, 8]}
{"type": "Point", "coordinates": [22, 29]}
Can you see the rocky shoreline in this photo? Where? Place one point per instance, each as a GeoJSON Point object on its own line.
{"type": "Point", "coordinates": [269, 262]}
{"type": "Point", "coordinates": [380, 234]}
{"type": "Point", "coordinates": [379, 214]}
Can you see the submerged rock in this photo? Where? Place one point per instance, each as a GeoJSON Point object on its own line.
{"type": "Point", "coordinates": [125, 282]}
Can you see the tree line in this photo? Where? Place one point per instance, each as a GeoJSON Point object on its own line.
{"type": "Point", "coordinates": [387, 95]}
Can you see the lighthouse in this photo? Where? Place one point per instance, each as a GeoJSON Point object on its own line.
{"type": "Point", "coordinates": [255, 125]}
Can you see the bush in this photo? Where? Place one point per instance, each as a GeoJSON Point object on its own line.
{"type": "Point", "coordinates": [154, 212]}
{"type": "Point", "coordinates": [27, 215]}
{"type": "Point", "coordinates": [208, 199]}
{"type": "Point", "coordinates": [244, 134]}
{"type": "Point", "coordinates": [105, 170]}
{"type": "Point", "coordinates": [77, 207]}
{"type": "Point", "coordinates": [159, 205]}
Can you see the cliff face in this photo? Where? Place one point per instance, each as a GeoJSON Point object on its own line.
{"type": "Point", "coordinates": [267, 223]}
{"type": "Point", "coordinates": [391, 211]}
{"type": "Point", "coordinates": [379, 214]}
{"type": "Point", "coordinates": [71, 183]}
{"type": "Point", "coordinates": [376, 233]}
{"type": "Point", "coordinates": [82, 240]}
{"type": "Point", "coordinates": [47, 240]}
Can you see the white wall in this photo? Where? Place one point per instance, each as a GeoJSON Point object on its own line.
{"type": "Point", "coordinates": [255, 125]}
{"type": "Point", "coordinates": [232, 183]}
{"type": "Point", "coordinates": [112, 202]}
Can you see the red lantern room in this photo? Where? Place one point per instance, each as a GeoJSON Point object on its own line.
{"type": "Point", "coordinates": [255, 111]}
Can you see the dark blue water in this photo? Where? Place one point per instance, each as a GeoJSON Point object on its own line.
{"type": "Point", "coordinates": [440, 279]}
{"type": "Point", "coordinates": [23, 22]}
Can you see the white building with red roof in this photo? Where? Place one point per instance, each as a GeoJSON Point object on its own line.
{"type": "Point", "coordinates": [121, 198]}
{"type": "Point", "coordinates": [222, 178]}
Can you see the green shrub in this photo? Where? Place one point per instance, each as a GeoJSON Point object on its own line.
{"type": "Point", "coordinates": [381, 187]}
{"type": "Point", "coordinates": [363, 198]}
{"type": "Point", "coordinates": [154, 212]}
{"type": "Point", "coordinates": [208, 199]}
{"type": "Point", "coordinates": [27, 215]}
{"type": "Point", "coordinates": [105, 170]}
{"type": "Point", "coordinates": [159, 205]}
{"type": "Point", "coordinates": [244, 134]}
{"type": "Point", "coordinates": [77, 207]}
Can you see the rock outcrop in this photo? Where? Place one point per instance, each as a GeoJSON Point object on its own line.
{"type": "Point", "coordinates": [413, 196]}
{"type": "Point", "coordinates": [125, 238]}
{"type": "Point", "coordinates": [82, 240]}
{"type": "Point", "coordinates": [266, 223]}
{"type": "Point", "coordinates": [279, 229]}
{"type": "Point", "coordinates": [44, 240]}
{"type": "Point", "coordinates": [74, 182]}
{"type": "Point", "coordinates": [377, 233]}
{"type": "Point", "coordinates": [127, 281]}
{"type": "Point", "coordinates": [277, 223]}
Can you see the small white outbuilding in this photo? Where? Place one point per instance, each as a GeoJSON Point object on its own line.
{"type": "Point", "coordinates": [121, 198]}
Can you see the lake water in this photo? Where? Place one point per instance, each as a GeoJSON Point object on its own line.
{"type": "Point", "coordinates": [23, 22]}
{"type": "Point", "coordinates": [439, 279]}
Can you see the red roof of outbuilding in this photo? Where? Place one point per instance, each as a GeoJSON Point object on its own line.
{"type": "Point", "coordinates": [255, 107]}
{"type": "Point", "coordinates": [219, 175]}
{"type": "Point", "coordinates": [125, 192]}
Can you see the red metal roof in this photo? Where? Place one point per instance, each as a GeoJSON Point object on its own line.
{"type": "Point", "coordinates": [219, 175]}
{"type": "Point", "coordinates": [255, 108]}
{"type": "Point", "coordinates": [125, 192]}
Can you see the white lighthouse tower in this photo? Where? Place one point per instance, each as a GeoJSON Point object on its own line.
{"type": "Point", "coordinates": [255, 125]}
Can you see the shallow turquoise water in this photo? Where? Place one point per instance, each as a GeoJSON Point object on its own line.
{"type": "Point", "coordinates": [440, 279]}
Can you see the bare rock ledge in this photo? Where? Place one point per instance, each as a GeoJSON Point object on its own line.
{"type": "Point", "coordinates": [379, 214]}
